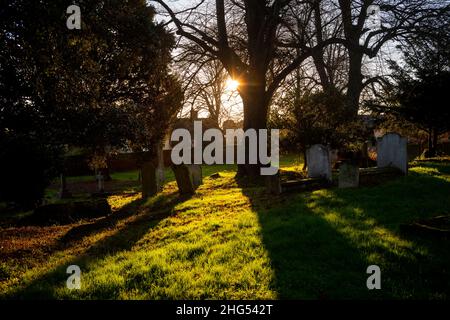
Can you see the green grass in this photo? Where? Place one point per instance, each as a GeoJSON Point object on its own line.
{"type": "Point", "coordinates": [169, 176]}
{"type": "Point", "coordinates": [232, 241]}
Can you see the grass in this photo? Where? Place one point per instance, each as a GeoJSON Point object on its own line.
{"type": "Point", "coordinates": [232, 241]}
{"type": "Point", "coordinates": [169, 176]}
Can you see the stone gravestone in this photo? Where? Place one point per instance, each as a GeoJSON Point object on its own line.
{"type": "Point", "coordinates": [273, 184]}
{"type": "Point", "coordinates": [196, 174]}
{"type": "Point", "coordinates": [319, 162]}
{"type": "Point", "coordinates": [189, 177]}
{"type": "Point", "coordinates": [392, 152]}
{"type": "Point", "coordinates": [100, 182]}
{"type": "Point", "coordinates": [152, 179]}
{"type": "Point", "coordinates": [348, 176]}
{"type": "Point", "coordinates": [153, 175]}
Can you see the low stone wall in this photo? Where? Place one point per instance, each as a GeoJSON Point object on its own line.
{"type": "Point", "coordinates": [376, 176]}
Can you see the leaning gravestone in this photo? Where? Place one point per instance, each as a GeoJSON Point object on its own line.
{"type": "Point", "coordinates": [152, 179]}
{"type": "Point", "coordinates": [189, 177]}
{"type": "Point", "coordinates": [273, 184]}
{"type": "Point", "coordinates": [319, 162]}
{"type": "Point", "coordinates": [197, 176]}
{"type": "Point", "coordinates": [153, 174]}
{"type": "Point", "coordinates": [392, 152]}
{"type": "Point", "coordinates": [348, 176]}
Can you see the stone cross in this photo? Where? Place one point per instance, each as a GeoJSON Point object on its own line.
{"type": "Point", "coordinates": [153, 174]}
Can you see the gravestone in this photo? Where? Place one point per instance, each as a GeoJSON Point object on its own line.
{"type": "Point", "coordinates": [197, 176]}
{"type": "Point", "coordinates": [152, 179]}
{"type": "Point", "coordinates": [348, 176]}
{"type": "Point", "coordinates": [319, 162]}
{"type": "Point", "coordinates": [152, 175]}
{"type": "Point", "coordinates": [273, 184]}
{"type": "Point", "coordinates": [392, 151]}
{"type": "Point", "coordinates": [189, 177]}
{"type": "Point", "coordinates": [100, 182]}
{"type": "Point", "coordinates": [64, 192]}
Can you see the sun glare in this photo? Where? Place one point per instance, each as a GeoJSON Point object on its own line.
{"type": "Point", "coordinates": [232, 84]}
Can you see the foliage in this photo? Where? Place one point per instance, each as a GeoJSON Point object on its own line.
{"type": "Point", "coordinates": [318, 118]}
{"type": "Point", "coordinates": [104, 87]}
{"type": "Point", "coordinates": [29, 167]}
{"type": "Point", "coordinates": [418, 93]}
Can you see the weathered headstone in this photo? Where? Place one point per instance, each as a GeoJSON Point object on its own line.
{"type": "Point", "coordinates": [273, 184]}
{"type": "Point", "coordinates": [197, 176]}
{"type": "Point", "coordinates": [319, 162]}
{"type": "Point", "coordinates": [348, 175]}
{"type": "Point", "coordinates": [392, 151]}
{"type": "Point", "coordinates": [189, 177]}
{"type": "Point", "coordinates": [151, 179]}
{"type": "Point", "coordinates": [100, 182]}
{"type": "Point", "coordinates": [152, 174]}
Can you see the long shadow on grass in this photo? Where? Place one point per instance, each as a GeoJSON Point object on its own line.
{"type": "Point", "coordinates": [46, 285]}
{"type": "Point", "coordinates": [310, 258]}
{"type": "Point", "coordinates": [414, 266]}
{"type": "Point", "coordinates": [320, 244]}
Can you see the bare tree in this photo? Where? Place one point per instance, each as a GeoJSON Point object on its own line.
{"type": "Point", "coordinates": [248, 38]}
{"type": "Point", "coordinates": [208, 88]}
{"type": "Point", "coordinates": [261, 42]}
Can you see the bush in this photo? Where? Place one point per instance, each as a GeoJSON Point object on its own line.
{"type": "Point", "coordinates": [28, 167]}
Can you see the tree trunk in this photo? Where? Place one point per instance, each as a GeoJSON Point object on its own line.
{"type": "Point", "coordinates": [256, 107]}
{"type": "Point", "coordinates": [355, 83]}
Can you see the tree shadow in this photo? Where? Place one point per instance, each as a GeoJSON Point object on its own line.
{"type": "Point", "coordinates": [46, 285]}
{"type": "Point", "coordinates": [310, 258]}
{"type": "Point", "coordinates": [321, 243]}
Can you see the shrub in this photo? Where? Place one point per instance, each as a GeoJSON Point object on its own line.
{"type": "Point", "coordinates": [28, 166]}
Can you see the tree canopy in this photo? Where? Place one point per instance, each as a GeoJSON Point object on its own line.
{"type": "Point", "coordinates": [105, 86]}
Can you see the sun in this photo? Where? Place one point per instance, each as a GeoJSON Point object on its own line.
{"type": "Point", "coordinates": [232, 84]}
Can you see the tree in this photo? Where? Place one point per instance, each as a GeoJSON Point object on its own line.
{"type": "Point", "coordinates": [418, 88]}
{"type": "Point", "coordinates": [208, 88]}
{"type": "Point", "coordinates": [261, 42]}
{"type": "Point", "coordinates": [245, 36]}
{"type": "Point", "coordinates": [105, 86]}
